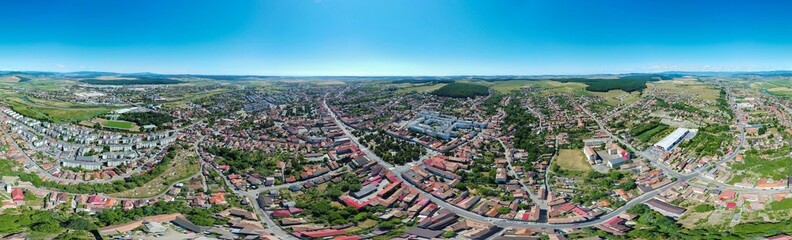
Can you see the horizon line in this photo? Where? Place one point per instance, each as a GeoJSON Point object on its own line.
{"type": "Point", "coordinates": [428, 75]}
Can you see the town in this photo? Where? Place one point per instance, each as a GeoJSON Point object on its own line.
{"type": "Point", "coordinates": [393, 159]}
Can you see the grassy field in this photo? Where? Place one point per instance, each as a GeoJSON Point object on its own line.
{"type": "Point", "coordinates": [649, 135]}
{"type": "Point", "coordinates": [690, 87]}
{"type": "Point", "coordinates": [509, 86]}
{"type": "Point", "coordinates": [572, 160]}
{"type": "Point", "coordinates": [780, 91]}
{"type": "Point", "coordinates": [419, 87]}
{"type": "Point", "coordinates": [781, 87]}
{"type": "Point", "coordinates": [118, 124]}
{"type": "Point", "coordinates": [550, 87]}
{"type": "Point", "coordinates": [189, 97]}
{"type": "Point", "coordinates": [618, 97]}
{"type": "Point", "coordinates": [183, 166]}
{"type": "Point", "coordinates": [55, 112]}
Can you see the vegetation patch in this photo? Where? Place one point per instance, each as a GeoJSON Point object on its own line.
{"type": "Point", "coordinates": [572, 160]}
{"type": "Point", "coordinates": [65, 113]}
{"type": "Point", "coordinates": [772, 163]}
{"type": "Point", "coordinates": [626, 83]}
{"type": "Point", "coordinates": [462, 90]}
{"type": "Point", "coordinates": [183, 166]}
{"type": "Point", "coordinates": [147, 118]}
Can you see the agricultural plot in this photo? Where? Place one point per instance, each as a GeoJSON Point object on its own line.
{"type": "Point", "coordinates": [690, 87]}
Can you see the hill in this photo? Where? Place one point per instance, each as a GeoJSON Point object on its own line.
{"type": "Point", "coordinates": [462, 90]}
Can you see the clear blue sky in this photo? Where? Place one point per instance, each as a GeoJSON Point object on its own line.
{"type": "Point", "coordinates": [399, 37]}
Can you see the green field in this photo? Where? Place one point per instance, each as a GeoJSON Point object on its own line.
{"type": "Point", "coordinates": [420, 88]}
{"type": "Point", "coordinates": [118, 124]}
{"type": "Point", "coordinates": [54, 112]}
{"type": "Point", "coordinates": [691, 87]}
{"type": "Point", "coordinates": [573, 160]}
{"type": "Point", "coordinates": [646, 136]}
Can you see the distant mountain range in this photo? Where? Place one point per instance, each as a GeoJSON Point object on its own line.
{"type": "Point", "coordinates": [663, 75]}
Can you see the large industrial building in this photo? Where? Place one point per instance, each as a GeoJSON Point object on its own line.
{"type": "Point", "coordinates": [672, 139]}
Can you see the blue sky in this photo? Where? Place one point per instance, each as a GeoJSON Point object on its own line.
{"type": "Point", "coordinates": [400, 37]}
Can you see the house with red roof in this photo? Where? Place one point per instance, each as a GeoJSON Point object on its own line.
{"type": "Point", "coordinates": [96, 200]}
{"type": "Point", "coordinates": [281, 213]}
{"type": "Point", "coordinates": [727, 195]}
{"type": "Point", "coordinates": [17, 195]}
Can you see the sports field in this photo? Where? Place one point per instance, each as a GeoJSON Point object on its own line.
{"type": "Point", "coordinates": [118, 124]}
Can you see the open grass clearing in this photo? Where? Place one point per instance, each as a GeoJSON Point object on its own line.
{"type": "Point", "coordinates": [420, 87]}
{"type": "Point", "coordinates": [618, 97]}
{"type": "Point", "coordinates": [690, 87]}
{"type": "Point", "coordinates": [509, 86]}
{"type": "Point", "coordinates": [573, 160]}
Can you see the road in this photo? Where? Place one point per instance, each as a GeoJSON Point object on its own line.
{"type": "Point", "coordinates": [542, 204]}
{"type": "Point", "coordinates": [251, 196]}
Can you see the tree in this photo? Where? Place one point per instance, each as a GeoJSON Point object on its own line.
{"type": "Point", "coordinates": [504, 210]}
{"type": "Point", "coordinates": [78, 223]}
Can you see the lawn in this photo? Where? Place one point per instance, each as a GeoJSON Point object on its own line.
{"type": "Point", "coordinates": [572, 160]}
{"type": "Point", "coordinates": [183, 166]}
